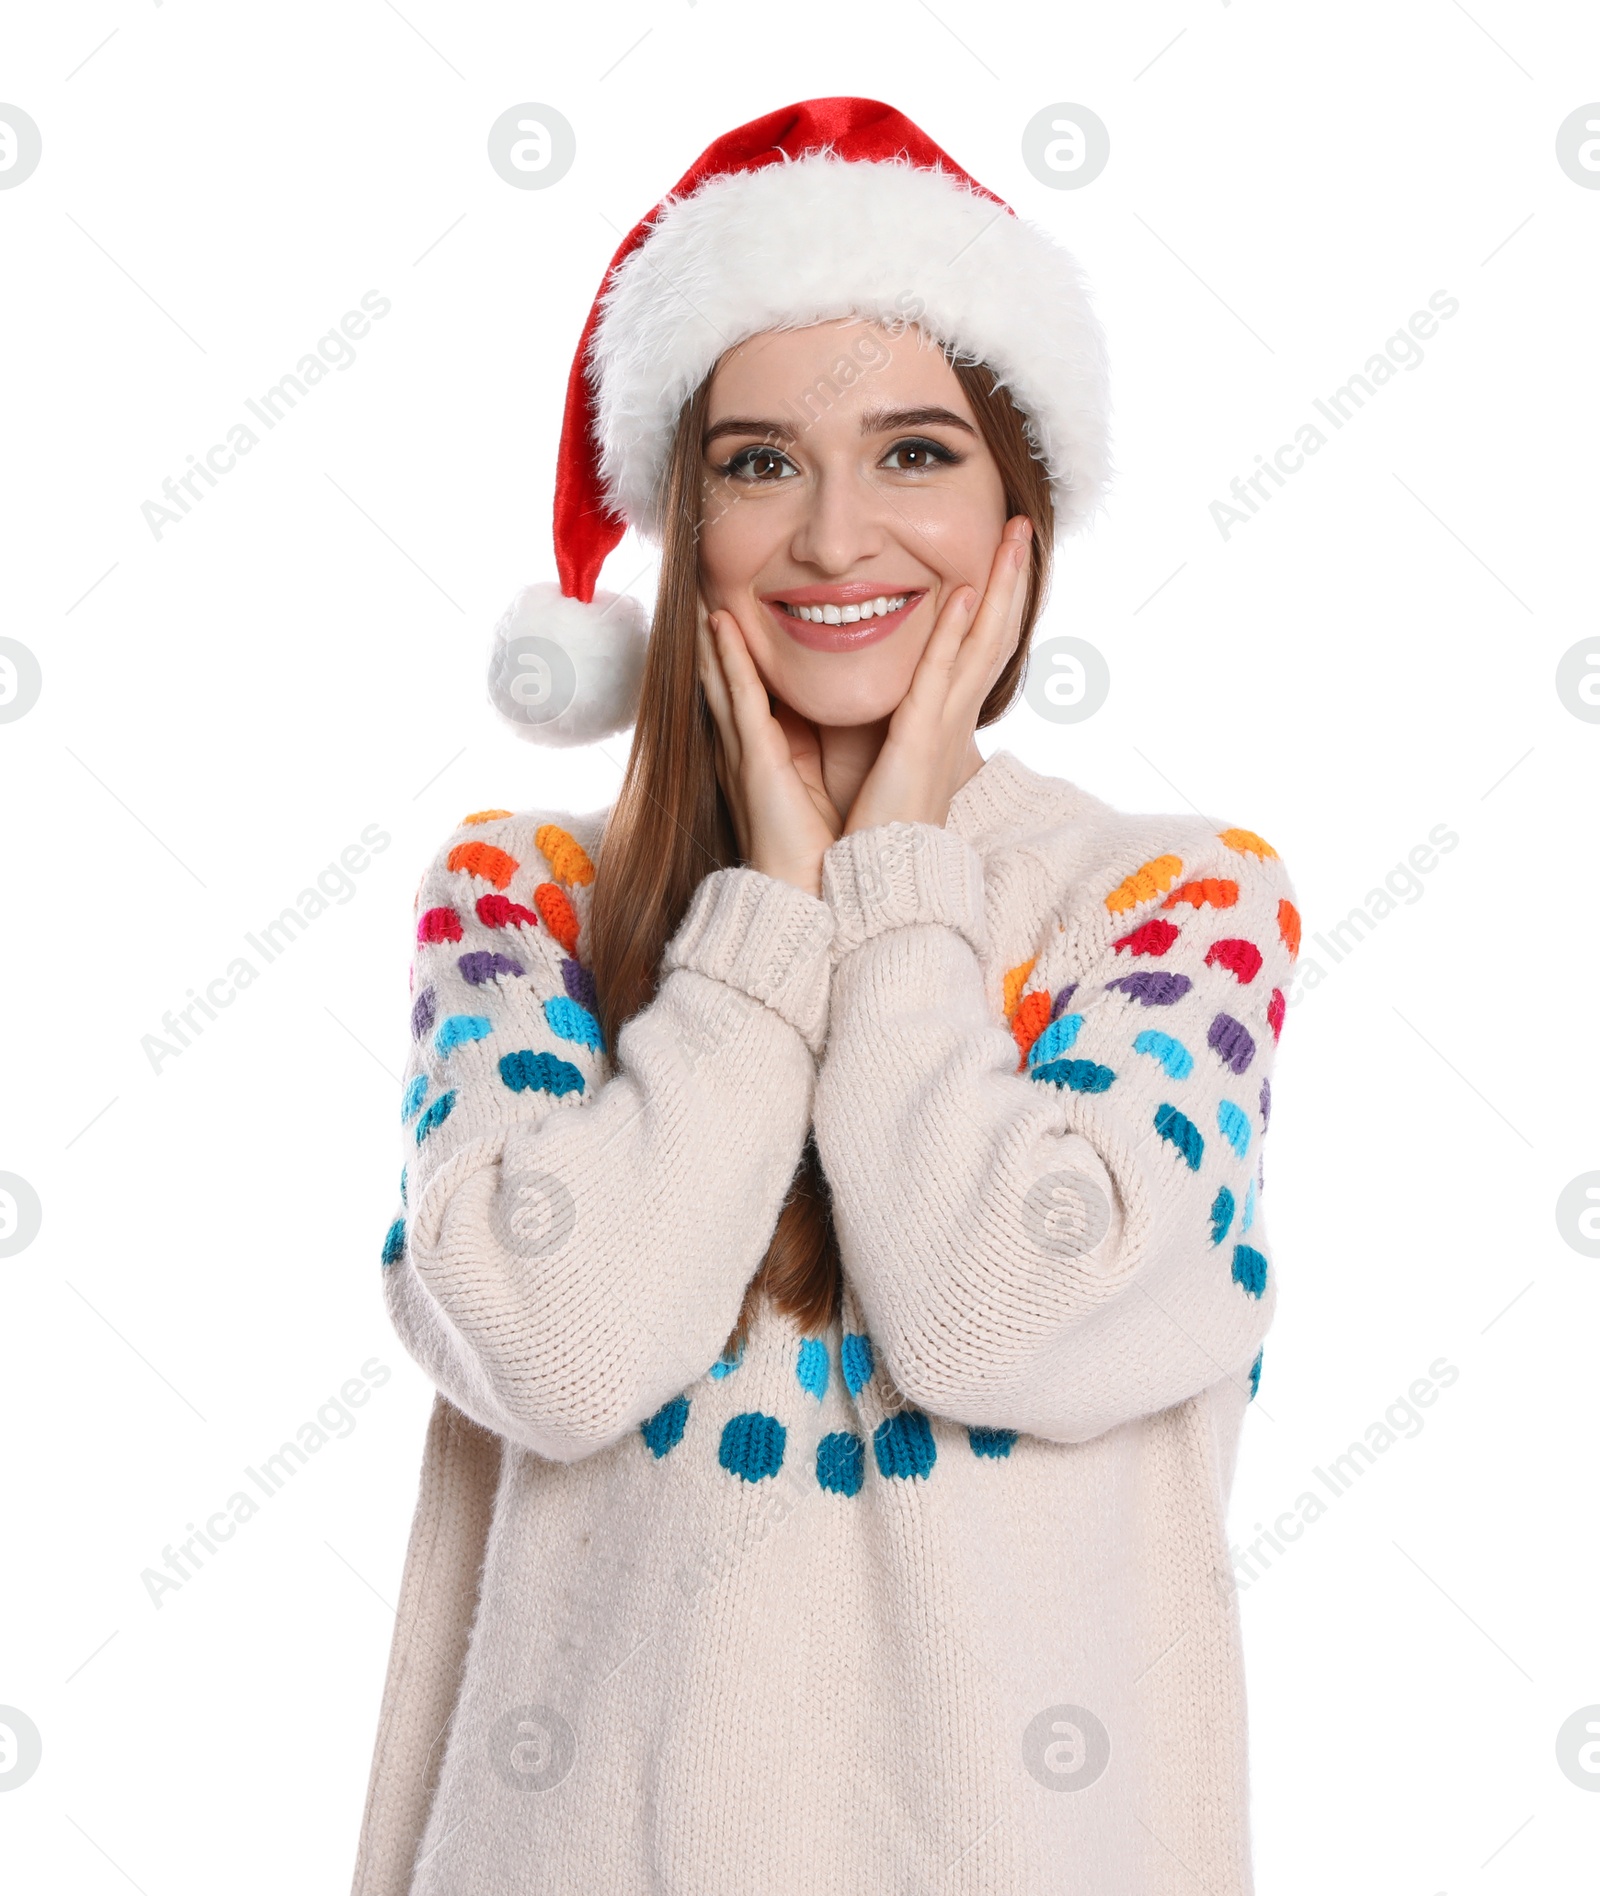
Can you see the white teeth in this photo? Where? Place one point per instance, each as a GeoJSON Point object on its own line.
{"type": "Point", "coordinates": [850, 615]}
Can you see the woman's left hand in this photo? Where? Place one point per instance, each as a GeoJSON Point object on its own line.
{"type": "Point", "coordinates": [926, 755]}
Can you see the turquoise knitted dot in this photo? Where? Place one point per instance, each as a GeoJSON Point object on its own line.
{"type": "Point", "coordinates": [572, 1022]}
{"type": "Point", "coordinates": [664, 1430]}
{"type": "Point", "coordinates": [1080, 1076]}
{"type": "Point", "coordinates": [855, 1359]}
{"type": "Point", "coordinates": [1055, 1039]}
{"type": "Point", "coordinates": [1181, 1132]}
{"type": "Point", "coordinates": [416, 1092]}
{"type": "Point", "coordinates": [402, 1184]}
{"type": "Point", "coordinates": [1255, 1377]}
{"type": "Point", "coordinates": [528, 1072]}
{"type": "Point", "coordinates": [459, 1029]}
{"type": "Point", "coordinates": [1176, 1059]}
{"type": "Point", "coordinates": [903, 1445]}
{"type": "Point", "coordinates": [436, 1115]}
{"type": "Point", "coordinates": [1234, 1125]}
{"type": "Point", "coordinates": [995, 1442]}
{"type": "Point", "coordinates": [728, 1361]}
{"type": "Point", "coordinates": [1249, 1270]}
{"type": "Point", "coordinates": [841, 1460]}
{"type": "Point", "coordinates": [752, 1445]}
{"type": "Point", "coordinates": [1221, 1214]}
{"type": "Point", "coordinates": [811, 1366]}
{"type": "Point", "coordinates": [394, 1243]}
{"type": "Point", "coordinates": [1249, 1217]}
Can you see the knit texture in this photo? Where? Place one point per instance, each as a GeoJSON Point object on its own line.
{"type": "Point", "coordinates": [935, 1599]}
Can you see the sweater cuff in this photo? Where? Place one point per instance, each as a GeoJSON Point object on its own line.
{"type": "Point", "coordinates": [899, 875]}
{"type": "Point", "coordinates": [764, 937]}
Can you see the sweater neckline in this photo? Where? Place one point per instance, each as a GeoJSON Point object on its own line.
{"type": "Point", "coordinates": [1002, 793]}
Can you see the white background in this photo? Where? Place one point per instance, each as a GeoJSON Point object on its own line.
{"type": "Point", "coordinates": [226, 708]}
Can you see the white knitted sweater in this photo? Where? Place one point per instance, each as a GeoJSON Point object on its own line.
{"type": "Point", "coordinates": [936, 1601]}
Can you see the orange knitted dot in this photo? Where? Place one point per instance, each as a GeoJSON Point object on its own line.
{"type": "Point", "coordinates": [1151, 878]}
{"type": "Point", "coordinates": [1247, 843]}
{"type": "Point", "coordinates": [1289, 926]}
{"type": "Point", "coordinates": [559, 915]}
{"type": "Point", "coordinates": [1016, 979]}
{"type": "Point", "coordinates": [565, 854]}
{"type": "Point", "coordinates": [1210, 892]}
{"type": "Point", "coordinates": [1029, 1021]}
{"type": "Point", "coordinates": [483, 859]}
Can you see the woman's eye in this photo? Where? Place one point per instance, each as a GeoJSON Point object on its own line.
{"type": "Point", "coordinates": [916, 457]}
{"type": "Point", "coordinates": [759, 464]}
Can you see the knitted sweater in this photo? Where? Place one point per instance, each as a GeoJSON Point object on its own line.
{"type": "Point", "coordinates": [936, 1600]}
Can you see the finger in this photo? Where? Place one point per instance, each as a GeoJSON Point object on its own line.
{"type": "Point", "coordinates": [714, 682]}
{"type": "Point", "coordinates": [747, 691]}
{"type": "Point", "coordinates": [998, 620]}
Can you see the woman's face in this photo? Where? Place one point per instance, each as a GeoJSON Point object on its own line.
{"type": "Point", "coordinates": [848, 493]}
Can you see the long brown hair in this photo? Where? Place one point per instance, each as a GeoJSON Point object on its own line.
{"type": "Point", "coordinates": [670, 826]}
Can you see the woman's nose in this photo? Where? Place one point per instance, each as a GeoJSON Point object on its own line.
{"type": "Point", "coordinates": [843, 525]}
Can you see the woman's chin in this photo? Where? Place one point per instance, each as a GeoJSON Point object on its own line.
{"type": "Point", "coordinates": [839, 690]}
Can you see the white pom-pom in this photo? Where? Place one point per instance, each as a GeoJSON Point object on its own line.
{"type": "Point", "coordinates": [563, 673]}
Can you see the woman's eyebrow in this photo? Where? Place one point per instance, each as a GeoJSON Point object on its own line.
{"type": "Point", "coordinates": [890, 420]}
{"type": "Point", "coordinates": [735, 425]}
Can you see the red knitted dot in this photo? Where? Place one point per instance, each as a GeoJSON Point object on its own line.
{"type": "Point", "coordinates": [1154, 937]}
{"type": "Point", "coordinates": [439, 924]}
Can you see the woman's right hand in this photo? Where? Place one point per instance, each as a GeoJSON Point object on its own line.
{"type": "Point", "coordinates": [769, 762]}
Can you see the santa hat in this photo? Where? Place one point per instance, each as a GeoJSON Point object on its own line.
{"type": "Point", "coordinates": [824, 210]}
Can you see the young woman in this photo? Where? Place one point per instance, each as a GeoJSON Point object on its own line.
{"type": "Point", "coordinates": [830, 1212]}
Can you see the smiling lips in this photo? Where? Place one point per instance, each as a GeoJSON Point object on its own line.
{"type": "Point", "coordinates": [842, 618]}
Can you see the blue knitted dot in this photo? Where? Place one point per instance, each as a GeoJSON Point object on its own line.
{"type": "Point", "coordinates": [994, 1442]}
{"type": "Point", "coordinates": [416, 1092]}
{"type": "Point", "coordinates": [1176, 1059]}
{"type": "Point", "coordinates": [1181, 1132]}
{"type": "Point", "coordinates": [752, 1445]}
{"type": "Point", "coordinates": [402, 1184]}
{"type": "Point", "coordinates": [1221, 1214]}
{"type": "Point", "coordinates": [436, 1115]}
{"type": "Point", "coordinates": [664, 1429]}
{"type": "Point", "coordinates": [728, 1361]}
{"type": "Point", "coordinates": [841, 1459]}
{"type": "Point", "coordinates": [855, 1359]}
{"type": "Point", "coordinates": [1249, 1217]}
{"type": "Point", "coordinates": [1055, 1039]}
{"type": "Point", "coordinates": [457, 1029]}
{"type": "Point", "coordinates": [394, 1242]}
{"type": "Point", "coordinates": [1249, 1270]}
{"type": "Point", "coordinates": [1080, 1076]}
{"type": "Point", "coordinates": [1255, 1376]}
{"type": "Point", "coordinates": [1234, 1124]}
{"type": "Point", "coordinates": [811, 1366]}
{"type": "Point", "coordinates": [526, 1071]}
{"type": "Point", "coordinates": [572, 1022]}
{"type": "Point", "coordinates": [903, 1444]}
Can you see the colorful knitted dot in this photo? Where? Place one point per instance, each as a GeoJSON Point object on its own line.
{"type": "Point", "coordinates": [1240, 957]}
{"type": "Point", "coordinates": [1183, 1133]}
{"type": "Point", "coordinates": [422, 1009]}
{"type": "Point", "coordinates": [1029, 1020]}
{"type": "Point", "coordinates": [1249, 1217]}
{"type": "Point", "coordinates": [728, 1361]}
{"type": "Point", "coordinates": [528, 1072]}
{"type": "Point", "coordinates": [436, 1115]}
{"type": "Point", "coordinates": [752, 1445]}
{"type": "Point", "coordinates": [394, 1243]}
{"type": "Point", "coordinates": [1151, 878]}
{"type": "Point", "coordinates": [565, 854]}
{"type": "Point", "coordinates": [1078, 1076]}
{"type": "Point", "coordinates": [811, 1366]}
{"type": "Point", "coordinates": [1289, 926]}
{"type": "Point", "coordinates": [455, 1030]}
{"type": "Point", "coordinates": [572, 1022]}
{"type": "Point", "coordinates": [1255, 1375]}
{"type": "Point", "coordinates": [1230, 1040]}
{"type": "Point", "coordinates": [402, 1184]}
{"type": "Point", "coordinates": [1221, 1214]}
{"type": "Point", "coordinates": [1246, 842]}
{"type": "Point", "coordinates": [855, 1360]}
{"type": "Point", "coordinates": [1266, 1104]}
{"type": "Point", "coordinates": [991, 1442]}
{"type": "Point", "coordinates": [841, 1462]}
{"type": "Point", "coordinates": [1209, 892]}
{"type": "Point", "coordinates": [1233, 1122]}
{"type": "Point", "coordinates": [663, 1431]}
{"type": "Point", "coordinates": [1016, 979]}
{"type": "Point", "coordinates": [579, 983]}
{"type": "Point", "coordinates": [1055, 1039]}
{"type": "Point", "coordinates": [1153, 987]}
{"type": "Point", "coordinates": [1275, 1012]}
{"type": "Point", "coordinates": [415, 1094]}
{"type": "Point", "coordinates": [483, 816]}
{"type": "Point", "coordinates": [903, 1445]}
{"type": "Point", "coordinates": [1063, 1000]}
{"type": "Point", "coordinates": [439, 924]}
{"type": "Point", "coordinates": [1154, 937]}
{"type": "Point", "coordinates": [559, 916]}
{"type": "Point", "coordinates": [484, 861]}
{"type": "Point", "coordinates": [1176, 1059]}
{"type": "Point", "coordinates": [481, 966]}
{"type": "Point", "coordinates": [499, 911]}
{"type": "Point", "coordinates": [1249, 1270]}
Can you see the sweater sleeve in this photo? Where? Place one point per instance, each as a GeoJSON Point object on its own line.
{"type": "Point", "coordinates": [1055, 1228]}
{"type": "Point", "coordinates": [576, 1232]}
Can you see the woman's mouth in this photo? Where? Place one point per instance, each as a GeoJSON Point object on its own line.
{"type": "Point", "coordinates": [841, 618]}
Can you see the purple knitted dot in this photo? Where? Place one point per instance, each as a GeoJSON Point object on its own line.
{"type": "Point", "coordinates": [1230, 1040]}
{"type": "Point", "coordinates": [1153, 987]}
{"type": "Point", "coordinates": [482, 966]}
{"type": "Point", "coordinates": [422, 1011]}
{"type": "Point", "coordinates": [1266, 1104]}
{"type": "Point", "coordinates": [1063, 1000]}
{"type": "Point", "coordinates": [579, 982]}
